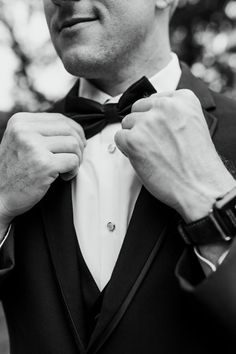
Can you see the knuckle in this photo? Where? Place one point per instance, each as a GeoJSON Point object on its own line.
{"type": "Point", "coordinates": [154, 96]}
{"type": "Point", "coordinates": [74, 143]}
{"type": "Point", "coordinates": [75, 161]}
{"type": "Point", "coordinates": [136, 106]}
{"type": "Point", "coordinates": [15, 118]}
{"type": "Point", "coordinates": [59, 116]}
{"type": "Point", "coordinates": [40, 165]}
{"type": "Point", "coordinates": [118, 136]}
{"type": "Point", "coordinates": [164, 102]}
{"type": "Point", "coordinates": [50, 164]}
{"type": "Point", "coordinates": [190, 97]}
{"type": "Point", "coordinates": [41, 160]}
{"type": "Point", "coordinates": [69, 129]}
{"type": "Point", "coordinates": [81, 130]}
{"type": "Point", "coordinates": [151, 121]}
{"type": "Point", "coordinates": [187, 93]}
{"type": "Point", "coordinates": [155, 101]}
{"type": "Point", "coordinates": [158, 112]}
{"type": "Point", "coordinates": [169, 106]}
{"type": "Point", "coordinates": [17, 133]}
{"type": "Point", "coordinates": [13, 124]}
{"type": "Point", "coordinates": [23, 139]}
{"type": "Point", "coordinates": [16, 126]}
{"type": "Point", "coordinates": [64, 127]}
{"type": "Point", "coordinates": [160, 103]}
{"type": "Point", "coordinates": [148, 127]}
{"type": "Point", "coordinates": [124, 121]}
{"type": "Point", "coordinates": [117, 139]}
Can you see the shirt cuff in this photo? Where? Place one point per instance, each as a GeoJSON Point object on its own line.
{"type": "Point", "coordinates": [208, 263]}
{"type": "Point", "coordinates": [5, 237]}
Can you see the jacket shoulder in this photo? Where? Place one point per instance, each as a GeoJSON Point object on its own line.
{"type": "Point", "coordinates": [225, 106]}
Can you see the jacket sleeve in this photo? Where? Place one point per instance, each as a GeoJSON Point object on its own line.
{"type": "Point", "coordinates": [7, 259]}
{"type": "Point", "coordinates": [217, 292]}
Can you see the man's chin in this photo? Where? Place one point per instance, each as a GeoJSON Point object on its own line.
{"type": "Point", "coordinates": [84, 66]}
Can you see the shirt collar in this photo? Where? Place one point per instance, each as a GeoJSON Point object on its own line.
{"type": "Point", "coordinates": [165, 80]}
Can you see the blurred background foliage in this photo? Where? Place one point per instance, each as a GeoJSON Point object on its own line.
{"type": "Point", "coordinates": [204, 36]}
{"type": "Point", "coordinates": [203, 33]}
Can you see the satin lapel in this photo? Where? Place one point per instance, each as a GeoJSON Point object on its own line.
{"type": "Point", "coordinates": [62, 242]}
{"type": "Point", "coordinates": [142, 242]}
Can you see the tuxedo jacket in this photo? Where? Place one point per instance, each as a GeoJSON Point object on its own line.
{"type": "Point", "coordinates": [158, 300]}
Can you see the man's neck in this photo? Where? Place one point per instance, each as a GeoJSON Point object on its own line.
{"type": "Point", "coordinates": [119, 80]}
{"type": "Point", "coordinates": [163, 81]}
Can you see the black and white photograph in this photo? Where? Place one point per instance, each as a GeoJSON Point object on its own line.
{"type": "Point", "coordinates": [117, 176]}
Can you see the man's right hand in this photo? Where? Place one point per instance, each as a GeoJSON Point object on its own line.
{"type": "Point", "coordinates": [36, 148]}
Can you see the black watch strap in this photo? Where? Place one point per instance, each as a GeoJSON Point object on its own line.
{"type": "Point", "coordinates": [219, 225]}
{"type": "Point", "coordinates": [202, 232]}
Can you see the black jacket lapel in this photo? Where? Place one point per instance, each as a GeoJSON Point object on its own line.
{"type": "Point", "coordinates": [144, 237]}
{"type": "Point", "coordinates": [63, 247]}
{"type": "Point", "coordinates": [142, 242]}
{"type": "Point", "coordinates": [190, 82]}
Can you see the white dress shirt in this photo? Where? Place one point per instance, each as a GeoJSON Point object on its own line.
{"type": "Point", "coordinates": [106, 187]}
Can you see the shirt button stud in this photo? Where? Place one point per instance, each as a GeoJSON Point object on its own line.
{"type": "Point", "coordinates": [111, 227]}
{"type": "Point", "coordinates": [111, 148]}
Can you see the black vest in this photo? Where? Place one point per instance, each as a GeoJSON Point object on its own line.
{"type": "Point", "coordinates": [91, 299]}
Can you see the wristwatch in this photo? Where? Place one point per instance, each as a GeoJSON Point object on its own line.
{"type": "Point", "coordinates": [219, 225]}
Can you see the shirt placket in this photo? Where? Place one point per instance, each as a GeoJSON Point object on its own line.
{"type": "Point", "coordinates": [109, 208]}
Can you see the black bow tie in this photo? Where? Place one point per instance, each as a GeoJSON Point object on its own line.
{"type": "Point", "coordinates": [93, 116]}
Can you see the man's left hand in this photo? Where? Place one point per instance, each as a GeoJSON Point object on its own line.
{"type": "Point", "coordinates": [167, 141]}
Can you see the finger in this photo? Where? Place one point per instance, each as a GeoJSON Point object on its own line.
{"type": "Point", "coordinates": [78, 128]}
{"type": "Point", "coordinates": [121, 138]}
{"type": "Point", "coordinates": [33, 117]}
{"type": "Point", "coordinates": [132, 120]}
{"type": "Point", "coordinates": [49, 124]}
{"type": "Point", "coordinates": [128, 122]}
{"type": "Point", "coordinates": [59, 128]}
{"type": "Point", "coordinates": [64, 163]}
{"type": "Point", "coordinates": [145, 104]}
{"type": "Point", "coordinates": [44, 117]}
{"type": "Point", "coordinates": [74, 125]}
{"type": "Point", "coordinates": [63, 144]}
{"type": "Point", "coordinates": [142, 105]}
{"type": "Point", "coordinates": [69, 175]}
{"type": "Point", "coordinates": [163, 94]}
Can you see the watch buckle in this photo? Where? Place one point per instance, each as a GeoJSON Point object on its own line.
{"type": "Point", "coordinates": [219, 228]}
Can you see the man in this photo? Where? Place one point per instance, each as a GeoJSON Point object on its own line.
{"type": "Point", "coordinates": [88, 227]}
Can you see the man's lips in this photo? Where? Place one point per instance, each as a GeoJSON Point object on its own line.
{"type": "Point", "coordinates": [74, 21]}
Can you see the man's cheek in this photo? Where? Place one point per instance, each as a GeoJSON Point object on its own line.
{"type": "Point", "coordinates": [49, 9]}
